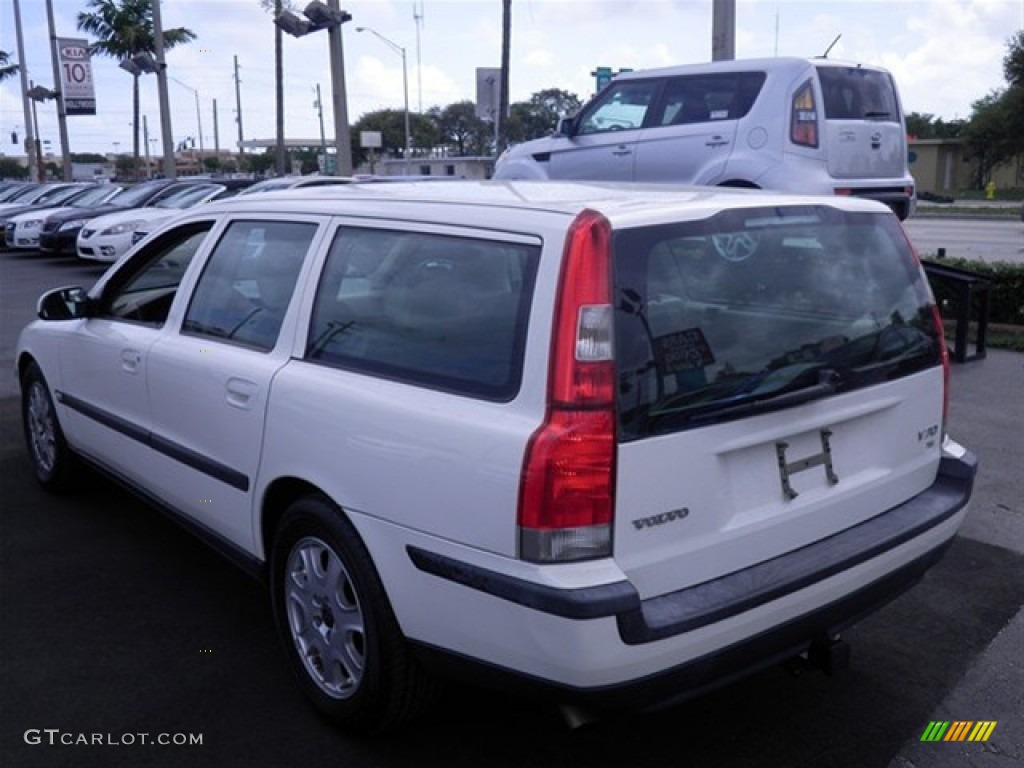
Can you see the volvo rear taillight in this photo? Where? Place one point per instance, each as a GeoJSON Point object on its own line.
{"type": "Point", "coordinates": [803, 122]}
{"type": "Point", "coordinates": [567, 488]}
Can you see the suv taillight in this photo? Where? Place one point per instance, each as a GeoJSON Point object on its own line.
{"type": "Point", "coordinates": [803, 123]}
{"type": "Point", "coordinates": [567, 488]}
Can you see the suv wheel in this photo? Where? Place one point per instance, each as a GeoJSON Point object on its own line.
{"type": "Point", "coordinates": [52, 461]}
{"type": "Point", "coordinates": [336, 624]}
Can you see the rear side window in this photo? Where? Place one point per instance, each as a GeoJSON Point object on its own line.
{"type": "Point", "coordinates": [443, 312]}
{"type": "Point", "coordinates": [854, 93]}
{"type": "Point", "coordinates": [702, 98]}
{"type": "Point", "coordinates": [718, 318]}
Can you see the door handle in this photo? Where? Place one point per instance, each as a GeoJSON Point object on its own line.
{"type": "Point", "coordinates": [716, 141]}
{"type": "Point", "coordinates": [130, 359]}
{"type": "Point", "coordinates": [622, 151]}
{"type": "Point", "coordinates": [240, 392]}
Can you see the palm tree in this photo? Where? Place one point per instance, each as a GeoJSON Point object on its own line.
{"type": "Point", "coordinates": [6, 68]}
{"type": "Point", "coordinates": [124, 28]}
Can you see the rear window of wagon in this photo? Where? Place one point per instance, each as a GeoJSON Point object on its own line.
{"type": "Point", "coordinates": [717, 317]}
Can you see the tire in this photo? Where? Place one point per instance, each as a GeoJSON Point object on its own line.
{"type": "Point", "coordinates": [323, 581]}
{"type": "Point", "coordinates": [53, 462]}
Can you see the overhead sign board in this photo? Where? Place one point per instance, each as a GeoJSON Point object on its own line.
{"type": "Point", "coordinates": [76, 76]}
{"type": "Point", "coordinates": [488, 92]}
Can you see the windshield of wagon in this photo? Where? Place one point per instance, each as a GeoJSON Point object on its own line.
{"type": "Point", "coordinates": [762, 308]}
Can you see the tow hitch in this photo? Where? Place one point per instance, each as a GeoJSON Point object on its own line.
{"type": "Point", "coordinates": [830, 654]}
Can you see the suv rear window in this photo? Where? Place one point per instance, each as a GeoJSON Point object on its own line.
{"type": "Point", "coordinates": [854, 93]}
{"type": "Point", "coordinates": [444, 312]}
{"type": "Point", "coordinates": [719, 318]}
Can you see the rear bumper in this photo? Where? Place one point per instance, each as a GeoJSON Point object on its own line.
{"type": "Point", "coordinates": [704, 673]}
{"type": "Point", "coordinates": [902, 204]}
{"type": "Point", "coordinates": [812, 592]}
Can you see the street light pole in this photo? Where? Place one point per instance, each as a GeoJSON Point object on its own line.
{"type": "Point", "coordinates": [62, 119]}
{"type": "Point", "coordinates": [342, 134]}
{"type": "Point", "coordinates": [407, 153]}
{"type": "Point", "coordinates": [330, 17]}
{"type": "Point", "coordinates": [170, 170]}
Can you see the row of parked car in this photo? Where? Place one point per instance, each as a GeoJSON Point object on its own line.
{"type": "Point", "coordinates": [101, 221]}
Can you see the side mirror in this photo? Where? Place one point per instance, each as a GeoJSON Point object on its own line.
{"type": "Point", "coordinates": [68, 303]}
{"type": "Point", "coordinates": [566, 127]}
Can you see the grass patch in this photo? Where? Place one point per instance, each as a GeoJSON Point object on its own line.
{"type": "Point", "coordinates": [996, 212]}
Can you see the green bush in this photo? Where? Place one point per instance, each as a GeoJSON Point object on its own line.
{"type": "Point", "coordinates": [1007, 294]}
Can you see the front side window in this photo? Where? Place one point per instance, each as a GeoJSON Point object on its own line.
{"type": "Point", "coordinates": [144, 289]}
{"type": "Point", "coordinates": [620, 107]}
{"type": "Point", "coordinates": [721, 317]}
{"type": "Point", "coordinates": [448, 313]}
{"type": "Point", "coordinates": [248, 281]}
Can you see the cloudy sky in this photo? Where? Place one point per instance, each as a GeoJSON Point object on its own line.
{"type": "Point", "coordinates": [943, 53]}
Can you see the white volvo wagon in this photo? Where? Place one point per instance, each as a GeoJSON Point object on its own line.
{"type": "Point", "coordinates": [617, 444]}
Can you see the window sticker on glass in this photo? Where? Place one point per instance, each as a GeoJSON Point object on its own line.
{"type": "Point", "coordinates": [684, 351]}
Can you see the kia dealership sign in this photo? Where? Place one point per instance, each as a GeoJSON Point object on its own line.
{"type": "Point", "coordinates": [76, 76]}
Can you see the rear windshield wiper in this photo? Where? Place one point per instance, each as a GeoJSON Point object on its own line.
{"type": "Point", "coordinates": [877, 114]}
{"type": "Point", "coordinates": [798, 390]}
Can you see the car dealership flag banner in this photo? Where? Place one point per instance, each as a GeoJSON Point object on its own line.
{"type": "Point", "coordinates": [76, 76]}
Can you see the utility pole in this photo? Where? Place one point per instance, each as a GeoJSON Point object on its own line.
{"type": "Point", "coordinates": [62, 115]}
{"type": "Point", "coordinates": [216, 133]}
{"type": "Point", "coordinates": [170, 170]}
{"type": "Point", "coordinates": [37, 148]}
{"type": "Point", "coordinates": [35, 167]}
{"type": "Point", "coordinates": [238, 110]}
{"type": "Point", "coordinates": [323, 137]}
{"type": "Point", "coordinates": [342, 134]}
{"type": "Point", "coordinates": [145, 138]}
{"type": "Point", "coordinates": [417, 17]}
{"type": "Point", "coordinates": [199, 122]}
{"type": "Point", "coordinates": [279, 159]}
{"type": "Point", "coordinates": [723, 30]}
{"type": "Point", "coordinates": [506, 45]}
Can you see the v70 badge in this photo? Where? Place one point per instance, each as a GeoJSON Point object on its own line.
{"type": "Point", "coordinates": [786, 469]}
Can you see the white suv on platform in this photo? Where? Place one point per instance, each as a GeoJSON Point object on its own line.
{"type": "Point", "coordinates": [616, 443]}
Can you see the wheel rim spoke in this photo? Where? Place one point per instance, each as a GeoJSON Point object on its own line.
{"type": "Point", "coordinates": [41, 429]}
{"type": "Point", "coordinates": [325, 618]}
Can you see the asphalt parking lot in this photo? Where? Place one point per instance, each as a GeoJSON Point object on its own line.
{"type": "Point", "coordinates": [117, 623]}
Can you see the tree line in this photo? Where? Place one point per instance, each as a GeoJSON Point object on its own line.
{"type": "Point", "coordinates": [994, 133]}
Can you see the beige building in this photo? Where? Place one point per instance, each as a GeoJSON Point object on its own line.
{"type": "Point", "coordinates": [939, 167]}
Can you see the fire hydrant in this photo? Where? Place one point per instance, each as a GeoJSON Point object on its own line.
{"type": "Point", "coordinates": [990, 191]}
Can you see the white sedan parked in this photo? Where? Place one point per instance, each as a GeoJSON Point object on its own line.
{"type": "Point", "coordinates": [109, 237]}
{"type": "Point", "coordinates": [23, 230]}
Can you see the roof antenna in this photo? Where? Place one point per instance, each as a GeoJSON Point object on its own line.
{"type": "Point", "coordinates": [831, 45]}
